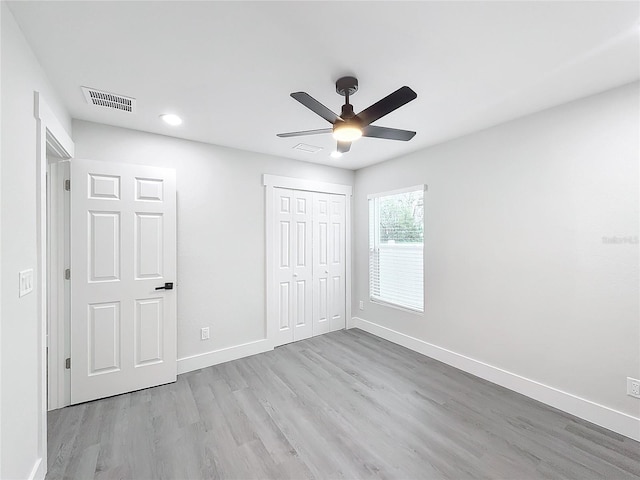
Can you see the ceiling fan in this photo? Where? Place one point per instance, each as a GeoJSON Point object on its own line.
{"type": "Point", "coordinates": [348, 126]}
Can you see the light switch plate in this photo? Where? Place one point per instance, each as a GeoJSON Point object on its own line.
{"type": "Point", "coordinates": [26, 282]}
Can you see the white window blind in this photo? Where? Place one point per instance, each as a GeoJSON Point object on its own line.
{"type": "Point", "coordinates": [396, 245]}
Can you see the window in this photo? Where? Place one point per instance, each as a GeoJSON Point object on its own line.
{"type": "Point", "coordinates": [396, 245]}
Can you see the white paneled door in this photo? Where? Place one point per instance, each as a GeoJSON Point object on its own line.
{"type": "Point", "coordinates": [309, 262]}
{"type": "Point", "coordinates": [293, 264]}
{"type": "Point", "coordinates": [328, 262]}
{"type": "Point", "coordinates": [123, 265]}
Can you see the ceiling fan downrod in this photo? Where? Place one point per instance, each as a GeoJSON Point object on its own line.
{"type": "Point", "coordinates": [347, 86]}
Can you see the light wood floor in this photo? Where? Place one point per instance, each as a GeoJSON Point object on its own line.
{"type": "Point", "coordinates": [342, 405]}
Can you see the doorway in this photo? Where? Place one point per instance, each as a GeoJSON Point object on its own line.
{"type": "Point", "coordinates": [58, 292]}
{"type": "Point", "coordinates": [112, 259]}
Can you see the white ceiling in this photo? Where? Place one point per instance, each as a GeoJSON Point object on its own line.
{"type": "Point", "coordinates": [227, 68]}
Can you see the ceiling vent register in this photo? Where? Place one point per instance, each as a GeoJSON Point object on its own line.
{"type": "Point", "coordinates": [307, 148]}
{"type": "Point", "coordinates": [109, 100]}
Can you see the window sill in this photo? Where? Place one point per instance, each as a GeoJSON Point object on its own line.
{"type": "Point", "coordinates": [397, 307]}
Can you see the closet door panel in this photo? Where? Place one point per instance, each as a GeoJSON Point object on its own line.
{"type": "Point", "coordinates": [302, 271]}
{"type": "Point", "coordinates": [321, 257]}
{"type": "Point", "coordinates": [337, 264]}
{"type": "Point", "coordinates": [283, 264]}
{"type": "Point", "coordinates": [328, 262]}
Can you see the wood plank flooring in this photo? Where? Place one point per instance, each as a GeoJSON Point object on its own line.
{"type": "Point", "coordinates": [345, 405]}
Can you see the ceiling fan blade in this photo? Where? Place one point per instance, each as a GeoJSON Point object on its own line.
{"type": "Point", "coordinates": [387, 133]}
{"type": "Point", "coordinates": [344, 147]}
{"type": "Point", "coordinates": [387, 105]}
{"type": "Point", "coordinates": [316, 107]}
{"type": "Point", "coordinates": [305, 132]}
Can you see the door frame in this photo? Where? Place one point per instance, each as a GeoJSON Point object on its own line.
{"type": "Point", "coordinates": [275, 181]}
{"type": "Point", "coordinates": [58, 295]}
{"type": "Point", "coordinates": [50, 134]}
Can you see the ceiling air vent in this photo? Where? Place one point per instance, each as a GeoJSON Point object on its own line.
{"type": "Point", "coordinates": [109, 100]}
{"type": "Point", "coordinates": [307, 148]}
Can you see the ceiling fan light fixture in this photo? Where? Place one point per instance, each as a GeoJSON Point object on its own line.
{"type": "Point", "coordinates": [346, 133]}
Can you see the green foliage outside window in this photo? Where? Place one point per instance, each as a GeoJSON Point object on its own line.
{"type": "Point", "coordinates": [401, 218]}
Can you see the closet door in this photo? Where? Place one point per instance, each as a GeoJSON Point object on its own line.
{"type": "Point", "coordinates": [337, 262]}
{"type": "Point", "coordinates": [293, 264]}
{"type": "Point", "coordinates": [328, 262]}
{"type": "Point", "coordinates": [302, 265]}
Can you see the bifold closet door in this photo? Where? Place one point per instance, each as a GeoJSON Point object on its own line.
{"type": "Point", "coordinates": [329, 268]}
{"type": "Point", "coordinates": [293, 263]}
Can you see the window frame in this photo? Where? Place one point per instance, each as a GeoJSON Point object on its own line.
{"type": "Point", "coordinates": [376, 238]}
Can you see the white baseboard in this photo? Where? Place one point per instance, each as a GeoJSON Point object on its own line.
{"type": "Point", "coordinates": [203, 360]}
{"type": "Point", "coordinates": [38, 472]}
{"type": "Point", "coordinates": [606, 417]}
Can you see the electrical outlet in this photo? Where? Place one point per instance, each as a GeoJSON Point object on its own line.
{"type": "Point", "coordinates": [204, 333]}
{"type": "Point", "coordinates": [633, 387]}
{"type": "Point", "coordinates": [361, 305]}
{"type": "Point", "coordinates": [26, 282]}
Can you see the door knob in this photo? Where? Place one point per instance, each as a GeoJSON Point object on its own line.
{"type": "Point", "coordinates": [326, 271]}
{"type": "Point", "coordinates": [295, 274]}
{"type": "Point", "coordinates": [167, 286]}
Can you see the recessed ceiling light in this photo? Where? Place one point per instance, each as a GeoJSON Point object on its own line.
{"type": "Point", "coordinates": [171, 119]}
{"type": "Point", "coordinates": [336, 154]}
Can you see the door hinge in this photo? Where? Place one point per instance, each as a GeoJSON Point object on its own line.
{"type": "Point", "coordinates": [67, 363]}
{"type": "Point", "coordinates": [67, 274]}
{"type": "Point", "coordinates": [67, 185]}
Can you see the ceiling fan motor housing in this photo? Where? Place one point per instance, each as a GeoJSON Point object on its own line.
{"type": "Point", "coordinates": [347, 112]}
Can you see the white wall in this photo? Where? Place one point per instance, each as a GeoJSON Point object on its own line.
{"type": "Point", "coordinates": [1, 10]}
{"type": "Point", "coordinates": [221, 231]}
{"type": "Point", "coordinates": [19, 374]}
{"type": "Point", "coordinates": [516, 271]}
